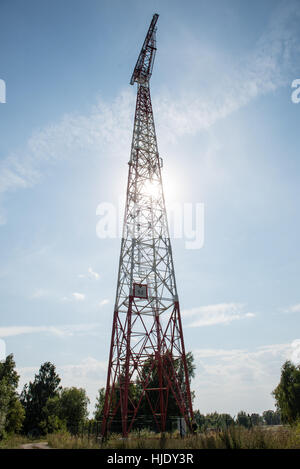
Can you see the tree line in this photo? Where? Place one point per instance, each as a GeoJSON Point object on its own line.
{"type": "Point", "coordinates": [44, 406]}
{"type": "Point", "coordinates": [216, 421]}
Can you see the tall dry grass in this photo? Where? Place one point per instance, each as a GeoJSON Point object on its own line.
{"type": "Point", "coordinates": [232, 438]}
{"type": "Point", "coordinates": [15, 441]}
{"type": "Point", "coordinates": [65, 440]}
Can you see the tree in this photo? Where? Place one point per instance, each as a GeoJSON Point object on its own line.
{"type": "Point", "coordinates": [212, 420]}
{"type": "Point", "coordinates": [11, 410]}
{"type": "Point", "coordinates": [15, 417]}
{"type": "Point", "coordinates": [51, 420]}
{"type": "Point", "coordinates": [73, 404]}
{"type": "Point", "coordinates": [200, 420]}
{"type": "Point", "coordinates": [271, 418]}
{"type": "Point", "coordinates": [4, 406]}
{"type": "Point", "coordinates": [287, 393]}
{"type": "Point", "coordinates": [256, 419]}
{"type": "Point", "coordinates": [35, 396]}
{"type": "Point", "coordinates": [65, 411]}
{"type": "Point", "coordinates": [243, 419]}
{"type": "Point", "coordinates": [218, 421]}
{"type": "Point", "coordinates": [99, 406]}
{"type": "Point", "coordinates": [226, 420]}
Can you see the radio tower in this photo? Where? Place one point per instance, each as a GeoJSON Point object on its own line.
{"type": "Point", "coordinates": [147, 362]}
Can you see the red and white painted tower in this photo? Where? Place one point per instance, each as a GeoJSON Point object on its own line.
{"type": "Point", "coordinates": [147, 360]}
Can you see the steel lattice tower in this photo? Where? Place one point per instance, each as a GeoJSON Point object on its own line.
{"type": "Point", "coordinates": [147, 361]}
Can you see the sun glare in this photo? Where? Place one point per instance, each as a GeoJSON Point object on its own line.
{"type": "Point", "coordinates": [152, 189]}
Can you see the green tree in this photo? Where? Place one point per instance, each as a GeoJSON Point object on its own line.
{"type": "Point", "coordinates": [51, 419]}
{"type": "Point", "coordinates": [65, 411]}
{"type": "Point", "coordinates": [73, 404]}
{"type": "Point", "coordinates": [200, 420]}
{"type": "Point", "coordinates": [218, 421]}
{"type": "Point", "coordinates": [35, 396]}
{"type": "Point", "coordinates": [226, 420]}
{"type": "Point", "coordinates": [243, 419]}
{"type": "Point", "coordinates": [287, 393]}
{"type": "Point", "coordinates": [11, 410]}
{"type": "Point", "coordinates": [256, 419]}
{"type": "Point", "coordinates": [15, 417]}
{"type": "Point", "coordinates": [212, 420]}
{"type": "Point", "coordinates": [4, 406]}
{"type": "Point", "coordinates": [99, 406]}
{"type": "Point", "coordinates": [271, 417]}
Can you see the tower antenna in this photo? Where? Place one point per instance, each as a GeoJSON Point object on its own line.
{"type": "Point", "coordinates": [147, 369]}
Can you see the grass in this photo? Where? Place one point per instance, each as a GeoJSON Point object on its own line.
{"type": "Point", "coordinates": [233, 438]}
{"type": "Point", "coordinates": [277, 437]}
{"type": "Point", "coordinates": [67, 441]}
{"type": "Point", "coordinates": [15, 441]}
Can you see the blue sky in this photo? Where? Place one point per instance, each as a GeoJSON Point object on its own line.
{"type": "Point", "coordinates": [229, 135]}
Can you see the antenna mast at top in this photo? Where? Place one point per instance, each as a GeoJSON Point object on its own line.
{"type": "Point", "coordinates": [144, 65]}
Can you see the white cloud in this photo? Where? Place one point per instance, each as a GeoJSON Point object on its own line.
{"type": "Point", "coordinates": [91, 274]}
{"type": "Point", "coordinates": [103, 302]}
{"type": "Point", "coordinates": [240, 379]}
{"type": "Point", "coordinates": [213, 353]}
{"type": "Point", "coordinates": [39, 293]}
{"type": "Point", "coordinates": [293, 309]}
{"type": "Point", "coordinates": [19, 330]}
{"type": "Point", "coordinates": [268, 67]}
{"type": "Point", "coordinates": [250, 315]}
{"type": "Point", "coordinates": [74, 297]}
{"type": "Point", "coordinates": [89, 374]}
{"type": "Point", "coordinates": [222, 313]}
{"type": "Point", "coordinates": [59, 331]}
{"type": "Point", "coordinates": [78, 296]}
{"type": "Point", "coordinates": [295, 352]}
{"type": "Point", "coordinates": [89, 367]}
{"type": "Point", "coordinates": [107, 126]}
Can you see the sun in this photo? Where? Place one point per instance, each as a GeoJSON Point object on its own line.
{"type": "Point", "coordinates": [152, 188]}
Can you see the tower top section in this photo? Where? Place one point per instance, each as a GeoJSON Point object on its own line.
{"type": "Point", "coordinates": [144, 65]}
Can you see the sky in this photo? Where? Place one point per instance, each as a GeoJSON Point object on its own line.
{"type": "Point", "coordinates": [228, 133]}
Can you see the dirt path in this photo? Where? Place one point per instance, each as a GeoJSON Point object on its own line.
{"type": "Point", "coordinates": [37, 445]}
